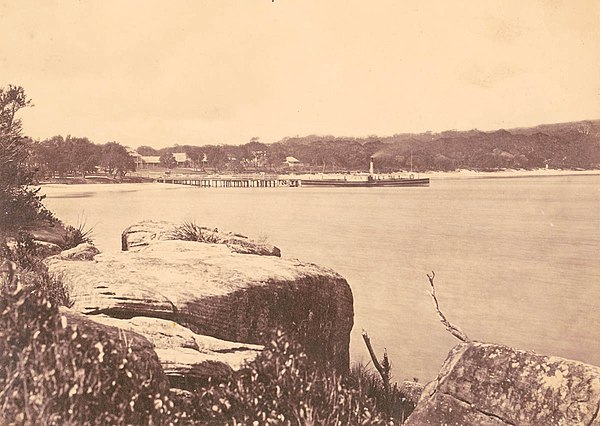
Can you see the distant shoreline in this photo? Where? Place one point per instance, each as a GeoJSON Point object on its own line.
{"type": "Point", "coordinates": [436, 175]}
{"type": "Point", "coordinates": [94, 180]}
{"type": "Point", "coordinates": [504, 174]}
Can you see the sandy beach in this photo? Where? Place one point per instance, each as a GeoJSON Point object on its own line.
{"type": "Point", "coordinates": [472, 174]}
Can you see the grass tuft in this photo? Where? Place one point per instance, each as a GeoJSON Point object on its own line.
{"type": "Point", "coordinates": [190, 231]}
{"type": "Point", "coordinates": [74, 236]}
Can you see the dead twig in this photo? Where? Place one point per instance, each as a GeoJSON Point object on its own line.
{"type": "Point", "coordinates": [455, 331]}
{"type": "Point", "coordinates": [383, 370]}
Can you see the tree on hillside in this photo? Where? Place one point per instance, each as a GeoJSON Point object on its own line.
{"type": "Point", "coordinates": [84, 156]}
{"type": "Point", "coordinates": [116, 160]}
{"type": "Point", "coordinates": [167, 160]}
{"type": "Point", "coordinates": [276, 155]}
{"type": "Point", "coordinates": [20, 204]}
{"type": "Point", "coordinates": [50, 156]}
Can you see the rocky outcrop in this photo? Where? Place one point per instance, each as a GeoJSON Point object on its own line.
{"type": "Point", "coordinates": [184, 354]}
{"type": "Point", "coordinates": [44, 248]}
{"type": "Point", "coordinates": [144, 233]}
{"type": "Point", "coordinates": [49, 232]}
{"type": "Point", "coordinates": [84, 251]}
{"type": "Point", "coordinates": [487, 384]}
{"type": "Point", "coordinates": [176, 293]}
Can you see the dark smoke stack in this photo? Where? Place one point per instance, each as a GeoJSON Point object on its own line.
{"type": "Point", "coordinates": [371, 167]}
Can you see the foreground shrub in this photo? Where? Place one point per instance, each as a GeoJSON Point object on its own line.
{"type": "Point", "coordinates": [53, 373]}
{"type": "Point", "coordinates": [33, 271]}
{"type": "Point", "coordinates": [283, 386]}
{"type": "Point", "coordinates": [393, 402]}
{"type": "Point", "coordinates": [22, 251]}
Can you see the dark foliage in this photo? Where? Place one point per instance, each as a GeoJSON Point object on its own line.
{"type": "Point", "coordinates": [20, 204]}
{"type": "Point", "coordinates": [116, 160]}
{"type": "Point", "coordinates": [392, 402]}
{"type": "Point", "coordinates": [167, 160]}
{"type": "Point", "coordinates": [52, 374]}
{"type": "Point", "coordinates": [24, 252]}
{"type": "Point", "coordinates": [66, 156]}
{"type": "Point", "coordinates": [75, 156]}
{"type": "Point", "coordinates": [559, 146]}
{"type": "Point", "coordinates": [284, 386]}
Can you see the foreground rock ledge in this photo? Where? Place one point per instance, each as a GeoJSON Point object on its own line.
{"type": "Point", "coordinates": [211, 290]}
{"type": "Point", "coordinates": [486, 384]}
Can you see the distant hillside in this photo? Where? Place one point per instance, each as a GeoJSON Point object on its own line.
{"type": "Point", "coordinates": [560, 146]}
{"type": "Point", "coordinates": [573, 145]}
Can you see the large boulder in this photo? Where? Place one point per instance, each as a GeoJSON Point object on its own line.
{"type": "Point", "coordinates": [487, 384]}
{"type": "Point", "coordinates": [212, 290]}
{"type": "Point", "coordinates": [147, 232]}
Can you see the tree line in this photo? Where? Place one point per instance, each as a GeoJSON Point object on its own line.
{"type": "Point", "coordinates": [77, 156]}
{"type": "Point", "coordinates": [558, 146]}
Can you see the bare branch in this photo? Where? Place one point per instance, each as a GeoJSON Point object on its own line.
{"type": "Point", "coordinates": [384, 371]}
{"type": "Point", "coordinates": [455, 331]}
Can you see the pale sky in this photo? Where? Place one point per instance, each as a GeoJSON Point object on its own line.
{"type": "Point", "coordinates": [161, 73]}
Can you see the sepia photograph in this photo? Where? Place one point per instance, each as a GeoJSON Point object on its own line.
{"type": "Point", "coordinates": [300, 212]}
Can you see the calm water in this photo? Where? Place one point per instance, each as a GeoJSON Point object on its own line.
{"type": "Point", "coordinates": [516, 260]}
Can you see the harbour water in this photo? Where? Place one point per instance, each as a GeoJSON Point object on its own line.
{"type": "Point", "coordinates": [516, 259]}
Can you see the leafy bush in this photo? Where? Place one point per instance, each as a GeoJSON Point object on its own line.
{"type": "Point", "coordinates": [283, 386]}
{"type": "Point", "coordinates": [21, 205]}
{"type": "Point", "coordinates": [34, 273]}
{"type": "Point", "coordinates": [51, 373]}
{"type": "Point", "coordinates": [22, 251]}
{"type": "Point", "coordinates": [395, 404]}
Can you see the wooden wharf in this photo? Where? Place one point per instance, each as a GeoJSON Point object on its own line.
{"type": "Point", "coordinates": [231, 181]}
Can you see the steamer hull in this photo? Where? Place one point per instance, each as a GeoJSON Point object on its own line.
{"type": "Point", "coordinates": [370, 183]}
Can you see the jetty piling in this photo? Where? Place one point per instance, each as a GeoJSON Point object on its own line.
{"type": "Point", "coordinates": [241, 181]}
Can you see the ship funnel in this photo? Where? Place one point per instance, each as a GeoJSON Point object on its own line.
{"type": "Point", "coordinates": [371, 167]}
